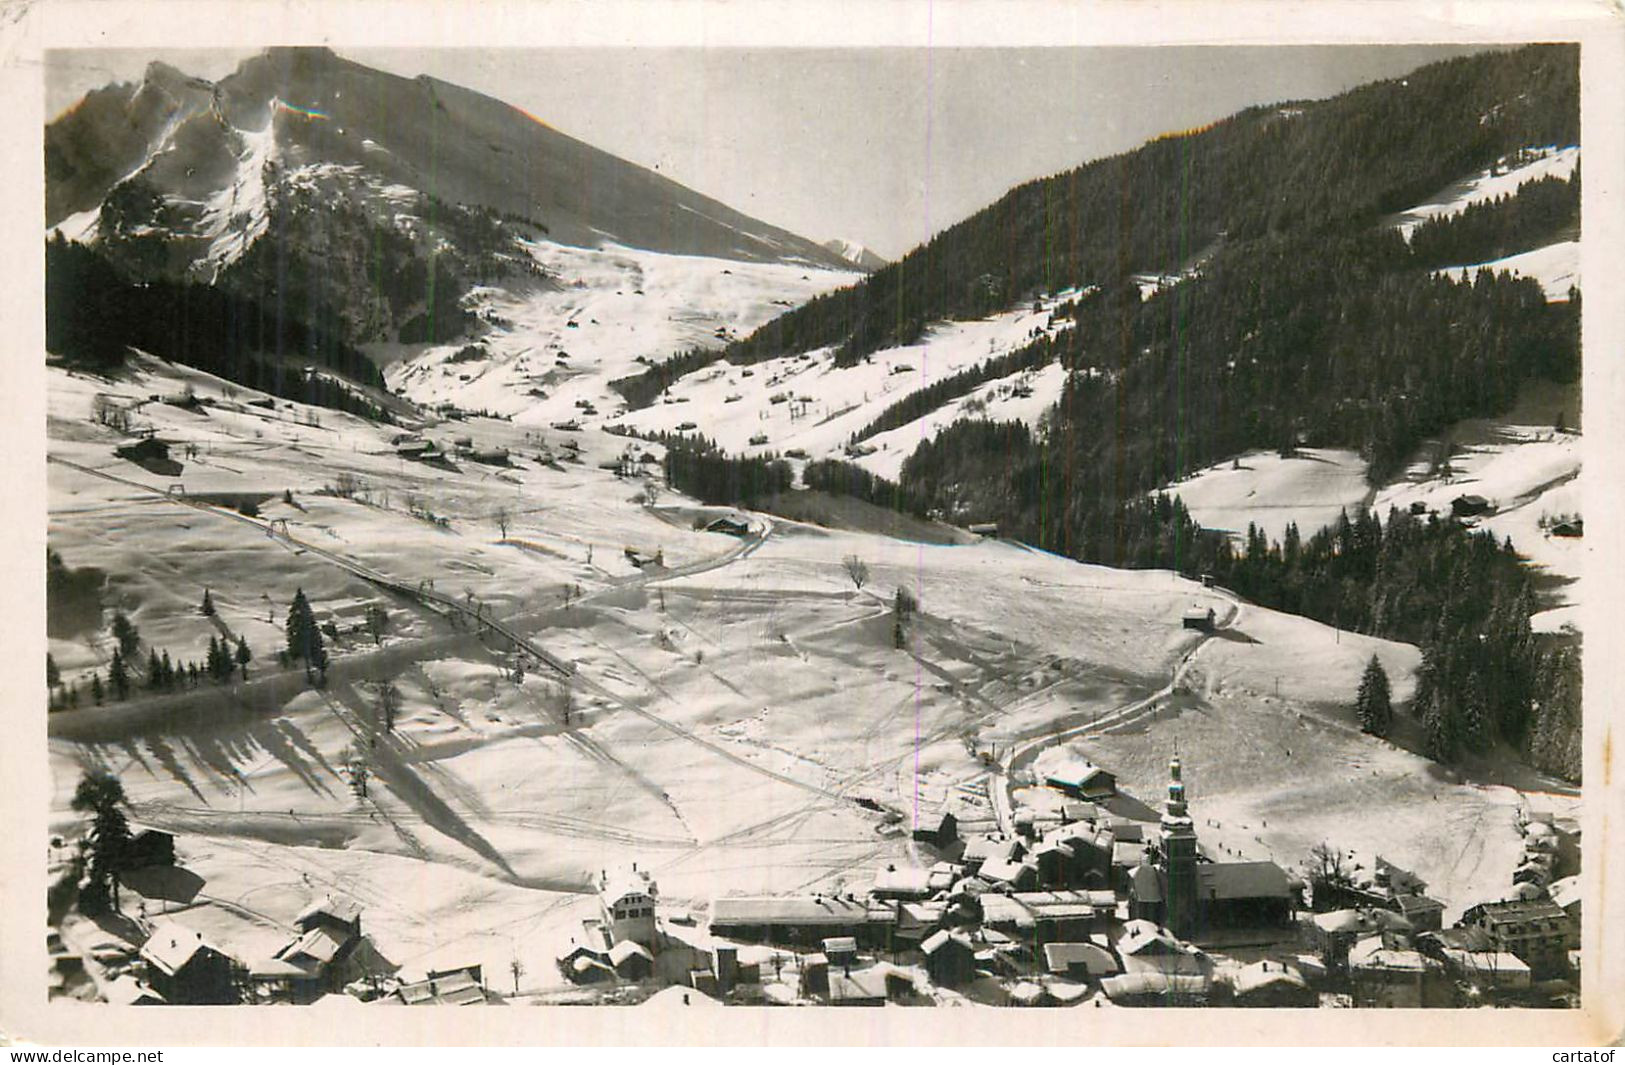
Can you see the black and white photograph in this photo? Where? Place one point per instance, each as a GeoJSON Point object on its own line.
{"type": "Point", "coordinates": [745, 527]}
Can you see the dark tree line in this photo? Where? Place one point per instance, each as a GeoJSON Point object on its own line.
{"type": "Point", "coordinates": [712, 477]}
{"type": "Point", "coordinates": [93, 314]}
{"type": "Point", "coordinates": [849, 479]}
{"type": "Point", "coordinates": [1539, 213]}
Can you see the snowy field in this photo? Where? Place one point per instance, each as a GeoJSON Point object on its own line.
{"type": "Point", "coordinates": [1556, 267]}
{"type": "Point", "coordinates": [726, 712]}
{"type": "Point", "coordinates": [1262, 488]}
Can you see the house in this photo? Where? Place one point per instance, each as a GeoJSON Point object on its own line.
{"type": "Point", "coordinates": [1423, 913]}
{"type": "Point", "coordinates": [1048, 916]}
{"type": "Point", "coordinates": [1145, 947]}
{"type": "Point", "coordinates": [814, 975]}
{"type": "Point", "coordinates": [1228, 895]}
{"type": "Point", "coordinates": [152, 455]}
{"type": "Point", "coordinates": [1566, 894]}
{"type": "Point", "coordinates": [859, 987]}
{"type": "Point", "coordinates": [1080, 961]}
{"type": "Point", "coordinates": [729, 527]}
{"type": "Point", "coordinates": [983, 528]}
{"type": "Point", "coordinates": [1469, 956]}
{"type": "Point", "coordinates": [1572, 527]}
{"type": "Point", "coordinates": [908, 882]}
{"type": "Point", "coordinates": [149, 847]}
{"type": "Point", "coordinates": [1466, 506]}
{"type": "Point", "coordinates": [950, 958]}
{"type": "Point", "coordinates": [128, 991]}
{"type": "Point", "coordinates": [447, 987]}
{"type": "Point", "coordinates": [631, 960]}
{"type": "Point", "coordinates": [1335, 933]}
{"type": "Point", "coordinates": [1199, 619]}
{"type": "Point", "coordinates": [1537, 931]}
{"type": "Point", "coordinates": [626, 903]}
{"type": "Point", "coordinates": [1082, 780]}
{"type": "Point", "coordinates": [940, 831]}
{"type": "Point", "coordinates": [1395, 977]}
{"type": "Point", "coordinates": [842, 951]}
{"type": "Point", "coordinates": [1272, 984]}
{"type": "Point", "coordinates": [802, 919]}
{"type": "Point", "coordinates": [342, 916]}
{"type": "Point", "coordinates": [185, 970]}
{"type": "Point", "coordinates": [1079, 811]}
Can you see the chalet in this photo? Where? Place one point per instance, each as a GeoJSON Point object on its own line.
{"type": "Point", "coordinates": [983, 528]}
{"type": "Point", "coordinates": [488, 456]}
{"type": "Point", "coordinates": [1272, 984]}
{"type": "Point", "coordinates": [1199, 619]}
{"type": "Point", "coordinates": [814, 974]}
{"type": "Point", "coordinates": [1469, 956]}
{"type": "Point", "coordinates": [1080, 961]}
{"type": "Point", "coordinates": [626, 903]}
{"type": "Point", "coordinates": [842, 951]}
{"type": "Point", "coordinates": [729, 527]}
{"type": "Point", "coordinates": [1083, 780]}
{"type": "Point", "coordinates": [128, 991]}
{"type": "Point", "coordinates": [185, 970]}
{"type": "Point", "coordinates": [950, 958]}
{"type": "Point", "coordinates": [342, 916]}
{"type": "Point", "coordinates": [798, 919]}
{"type": "Point", "coordinates": [1467, 506]}
{"type": "Point", "coordinates": [1566, 894]}
{"type": "Point", "coordinates": [939, 831]}
{"type": "Point", "coordinates": [1079, 811]}
{"type": "Point", "coordinates": [1536, 931]}
{"type": "Point", "coordinates": [1334, 934]}
{"type": "Point", "coordinates": [1145, 947]}
{"type": "Point", "coordinates": [1573, 527]}
{"type": "Point", "coordinates": [152, 455]}
{"type": "Point", "coordinates": [859, 987]}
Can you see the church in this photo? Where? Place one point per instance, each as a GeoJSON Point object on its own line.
{"type": "Point", "coordinates": [1191, 896]}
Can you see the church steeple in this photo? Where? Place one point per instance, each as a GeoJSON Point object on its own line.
{"type": "Point", "coordinates": [1178, 832]}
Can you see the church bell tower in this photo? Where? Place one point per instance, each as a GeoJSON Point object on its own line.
{"type": "Point", "coordinates": [1178, 833]}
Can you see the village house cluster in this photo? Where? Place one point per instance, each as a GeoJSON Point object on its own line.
{"type": "Point", "coordinates": [1089, 905]}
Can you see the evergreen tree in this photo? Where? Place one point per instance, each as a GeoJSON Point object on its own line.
{"type": "Point", "coordinates": [208, 604]}
{"type": "Point", "coordinates": [118, 675]}
{"type": "Point", "coordinates": [1371, 704]}
{"type": "Point", "coordinates": [126, 634]}
{"type": "Point", "coordinates": [155, 671]}
{"type": "Point", "coordinates": [96, 687]}
{"type": "Point", "coordinates": [100, 794]}
{"type": "Point", "coordinates": [301, 628]}
{"type": "Point", "coordinates": [243, 655]}
{"type": "Point", "coordinates": [52, 677]}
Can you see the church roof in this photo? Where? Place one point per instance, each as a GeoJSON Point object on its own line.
{"type": "Point", "coordinates": [1243, 880]}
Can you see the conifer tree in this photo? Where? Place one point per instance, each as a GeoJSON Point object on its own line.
{"type": "Point", "coordinates": [1372, 704]}
{"type": "Point", "coordinates": [208, 604]}
{"type": "Point", "coordinates": [52, 677]}
{"type": "Point", "coordinates": [100, 794]}
{"type": "Point", "coordinates": [96, 687]}
{"type": "Point", "coordinates": [118, 675]}
{"type": "Point", "coordinates": [155, 671]}
{"type": "Point", "coordinates": [244, 656]}
{"type": "Point", "coordinates": [125, 633]}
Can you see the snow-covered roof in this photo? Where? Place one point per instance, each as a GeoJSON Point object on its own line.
{"type": "Point", "coordinates": [1261, 974]}
{"type": "Point", "coordinates": [171, 946]}
{"type": "Point", "coordinates": [1060, 957]}
{"type": "Point", "coordinates": [906, 880]}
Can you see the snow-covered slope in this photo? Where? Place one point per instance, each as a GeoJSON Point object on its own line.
{"type": "Point", "coordinates": [546, 349]}
{"type": "Point", "coordinates": [1269, 491]}
{"type": "Point", "coordinates": [805, 402]}
{"type": "Point", "coordinates": [1502, 179]}
{"type": "Point", "coordinates": [1555, 266]}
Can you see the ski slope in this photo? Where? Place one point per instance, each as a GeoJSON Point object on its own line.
{"type": "Point", "coordinates": [1555, 266]}
{"type": "Point", "coordinates": [1492, 183]}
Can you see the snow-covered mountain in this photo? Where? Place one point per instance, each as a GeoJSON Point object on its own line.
{"type": "Point", "coordinates": [856, 254]}
{"type": "Point", "coordinates": [204, 149]}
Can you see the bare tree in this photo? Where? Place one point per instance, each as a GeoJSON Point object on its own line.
{"type": "Point", "coordinates": [502, 516]}
{"type": "Point", "coordinates": [377, 622]}
{"type": "Point", "coordinates": [857, 569]}
{"type": "Point", "coordinates": [389, 705]}
{"type": "Point", "coordinates": [517, 968]}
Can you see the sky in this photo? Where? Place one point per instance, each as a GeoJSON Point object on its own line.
{"type": "Point", "coordinates": [882, 146]}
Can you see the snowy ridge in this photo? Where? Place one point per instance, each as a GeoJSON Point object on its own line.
{"type": "Point", "coordinates": [1556, 267]}
{"type": "Point", "coordinates": [237, 215]}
